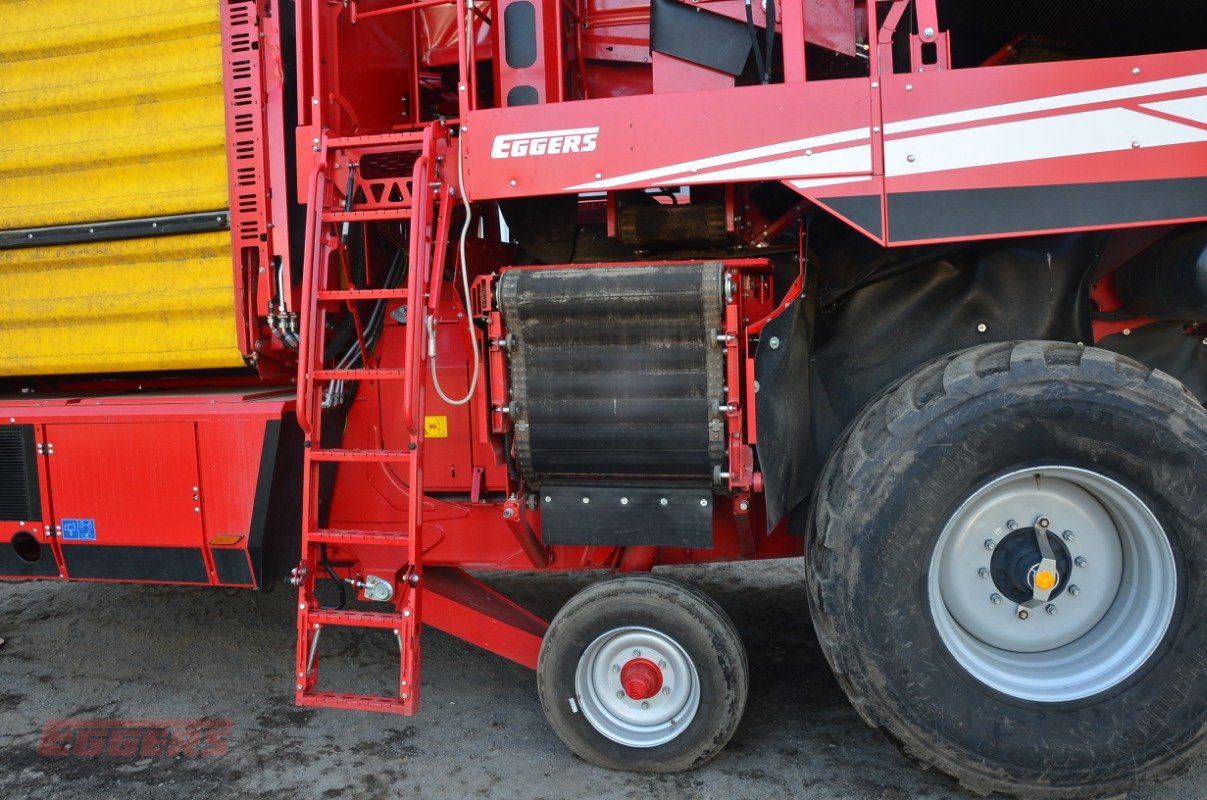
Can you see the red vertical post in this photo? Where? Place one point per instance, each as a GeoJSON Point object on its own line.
{"type": "Point", "coordinates": [792, 28]}
{"type": "Point", "coordinates": [528, 52]}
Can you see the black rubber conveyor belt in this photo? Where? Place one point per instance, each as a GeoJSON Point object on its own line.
{"type": "Point", "coordinates": [615, 371]}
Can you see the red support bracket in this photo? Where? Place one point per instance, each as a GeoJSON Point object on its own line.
{"type": "Point", "coordinates": [929, 34]}
{"type": "Point", "coordinates": [462, 606]}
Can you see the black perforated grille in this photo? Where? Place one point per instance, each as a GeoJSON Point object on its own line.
{"type": "Point", "coordinates": [19, 499]}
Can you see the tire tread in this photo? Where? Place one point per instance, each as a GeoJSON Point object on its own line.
{"type": "Point", "coordinates": [898, 414]}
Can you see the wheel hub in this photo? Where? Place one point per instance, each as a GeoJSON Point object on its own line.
{"type": "Point", "coordinates": [637, 686]}
{"type": "Point", "coordinates": [1016, 561]}
{"type": "Point", "coordinates": [1047, 616]}
{"type": "Point", "coordinates": [994, 535]}
{"type": "Point", "coordinates": [641, 679]}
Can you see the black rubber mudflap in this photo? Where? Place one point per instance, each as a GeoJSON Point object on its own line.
{"type": "Point", "coordinates": [670, 515]}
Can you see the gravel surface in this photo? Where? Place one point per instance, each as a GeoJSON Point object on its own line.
{"type": "Point", "coordinates": [104, 651]}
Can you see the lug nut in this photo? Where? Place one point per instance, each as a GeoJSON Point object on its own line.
{"type": "Point", "coordinates": [1011, 524]}
{"type": "Point", "coordinates": [1051, 609]}
{"type": "Point", "coordinates": [620, 693]}
{"type": "Point", "coordinates": [1075, 590]}
{"type": "Point", "coordinates": [645, 704]}
{"type": "Point", "coordinates": [616, 668]}
{"type": "Point", "coordinates": [983, 572]}
{"type": "Point", "coordinates": [1080, 561]}
{"type": "Point", "coordinates": [990, 544]}
{"type": "Point", "coordinates": [1023, 613]}
{"type": "Point", "coordinates": [661, 665]}
{"type": "Point", "coordinates": [666, 690]}
{"type": "Point", "coordinates": [1043, 522]}
{"type": "Point", "coordinates": [636, 654]}
{"type": "Point", "coordinates": [995, 598]}
{"type": "Point", "coordinates": [1068, 536]}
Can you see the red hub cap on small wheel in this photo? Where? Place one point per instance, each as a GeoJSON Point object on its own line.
{"type": "Point", "coordinates": [641, 678]}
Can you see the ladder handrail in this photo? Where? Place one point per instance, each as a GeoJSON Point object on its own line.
{"type": "Point", "coordinates": [415, 5]}
{"type": "Point", "coordinates": [309, 293]}
{"type": "Point", "coordinates": [416, 288]}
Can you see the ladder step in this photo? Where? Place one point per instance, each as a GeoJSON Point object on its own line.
{"type": "Point", "coordinates": [357, 619]}
{"type": "Point", "coordinates": [333, 536]}
{"type": "Point", "coordinates": [360, 455]}
{"type": "Point", "coordinates": [359, 374]}
{"type": "Point", "coordinates": [363, 294]}
{"type": "Point", "coordinates": [368, 215]}
{"type": "Point", "coordinates": [358, 702]}
{"type": "Point", "coordinates": [401, 140]}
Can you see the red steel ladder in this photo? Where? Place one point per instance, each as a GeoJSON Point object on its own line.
{"type": "Point", "coordinates": [425, 207]}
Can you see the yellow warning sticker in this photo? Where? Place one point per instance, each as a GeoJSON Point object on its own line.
{"type": "Point", "coordinates": [435, 427]}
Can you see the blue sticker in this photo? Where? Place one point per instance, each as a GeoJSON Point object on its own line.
{"type": "Point", "coordinates": [79, 530]}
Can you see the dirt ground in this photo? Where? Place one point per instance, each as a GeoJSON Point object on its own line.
{"type": "Point", "coordinates": [126, 651]}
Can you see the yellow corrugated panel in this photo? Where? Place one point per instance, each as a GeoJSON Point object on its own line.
{"type": "Point", "coordinates": [161, 303]}
{"type": "Point", "coordinates": [109, 109]}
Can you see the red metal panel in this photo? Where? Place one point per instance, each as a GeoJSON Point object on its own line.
{"type": "Point", "coordinates": [747, 133]}
{"type": "Point", "coordinates": [1105, 121]}
{"type": "Point", "coordinates": [127, 465]}
{"type": "Point", "coordinates": [229, 456]}
{"type": "Point", "coordinates": [1073, 99]}
{"type": "Point", "coordinates": [136, 481]}
{"type": "Point", "coordinates": [447, 447]}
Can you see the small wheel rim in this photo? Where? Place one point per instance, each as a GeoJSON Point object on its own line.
{"type": "Point", "coordinates": [1104, 620]}
{"type": "Point", "coordinates": [637, 721]}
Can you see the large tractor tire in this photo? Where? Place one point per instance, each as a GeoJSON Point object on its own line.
{"type": "Point", "coordinates": [1007, 569]}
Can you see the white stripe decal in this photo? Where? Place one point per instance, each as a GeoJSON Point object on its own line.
{"type": "Point", "coordinates": [1050, 137]}
{"type": "Point", "coordinates": [1194, 108]}
{"type": "Point", "coordinates": [1104, 131]}
{"type": "Point", "coordinates": [813, 183]}
{"type": "Point", "coordinates": [723, 159]}
{"type": "Point", "coordinates": [830, 162]}
{"type": "Point", "coordinates": [1050, 103]}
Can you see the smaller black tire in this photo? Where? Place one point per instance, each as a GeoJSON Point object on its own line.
{"type": "Point", "coordinates": [642, 673]}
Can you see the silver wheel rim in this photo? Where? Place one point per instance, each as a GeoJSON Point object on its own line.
{"type": "Point", "coordinates": [1113, 609]}
{"type": "Point", "coordinates": [641, 722]}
